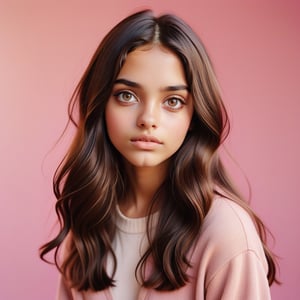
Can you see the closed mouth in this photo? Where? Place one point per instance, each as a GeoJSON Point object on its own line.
{"type": "Point", "coordinates": [147, 139]}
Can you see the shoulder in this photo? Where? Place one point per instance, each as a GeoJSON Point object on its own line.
{"type": "Point", "coordinates": [228, 231]}
{"type": "Point", "coordinates": [228, 224]}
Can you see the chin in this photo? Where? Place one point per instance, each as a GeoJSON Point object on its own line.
{"type": "Point", "coordinates": [145, 163]}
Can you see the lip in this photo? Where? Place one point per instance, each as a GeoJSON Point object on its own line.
{"type": "Point", "coordinates": [146, 139]}
{"type": "Point", "coordinates": [146, 142]}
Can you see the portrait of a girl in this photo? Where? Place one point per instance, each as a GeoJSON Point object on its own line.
{"type": "Point", "coordinates": [145, 205]}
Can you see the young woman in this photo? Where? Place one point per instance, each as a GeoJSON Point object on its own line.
{"type": "Point", "coordinates": [144, 203]}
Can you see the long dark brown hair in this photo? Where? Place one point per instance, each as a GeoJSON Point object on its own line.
{"type": "Point", "coordinates": [91, 178]}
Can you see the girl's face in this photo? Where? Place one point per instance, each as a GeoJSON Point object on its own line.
{"type": "Point", "coordinates": [150, 109]}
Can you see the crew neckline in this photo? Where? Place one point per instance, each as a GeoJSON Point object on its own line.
{"type": "Point", "coordinates": [135, 225]}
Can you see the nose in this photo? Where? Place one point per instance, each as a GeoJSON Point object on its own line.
{"type": "Point", "coordinates": [148, 116]}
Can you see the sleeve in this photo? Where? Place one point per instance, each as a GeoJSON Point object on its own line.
{"type": "Point", "coordinates": [241, 278]}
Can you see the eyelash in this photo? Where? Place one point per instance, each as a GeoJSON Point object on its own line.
{"type": "Point", "coordinates": [120, 94]}
{"type": "Point", "coordinates": [179, 100]}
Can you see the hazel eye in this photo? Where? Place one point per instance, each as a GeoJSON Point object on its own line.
{"type": "Point", "coordinates": [126, 97]}
{"type": "Point", "coordinates": [174, 103]}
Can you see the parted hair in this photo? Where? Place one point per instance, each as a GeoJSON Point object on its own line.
{"type": "Point", "coordinates": [91, 178]}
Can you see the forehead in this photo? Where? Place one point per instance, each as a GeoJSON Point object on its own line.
{"type": "Point", "coordinates": [153, 64]}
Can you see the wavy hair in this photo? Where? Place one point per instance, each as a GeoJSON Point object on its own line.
{"type": "Point", "coordinates": [90, 179]}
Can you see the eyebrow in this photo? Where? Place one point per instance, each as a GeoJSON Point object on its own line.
{"type": "Point", "coordinates": [137, 85]}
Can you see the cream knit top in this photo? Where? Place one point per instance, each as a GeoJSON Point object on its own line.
{"type": "Point", "coordinates": [129, 245]}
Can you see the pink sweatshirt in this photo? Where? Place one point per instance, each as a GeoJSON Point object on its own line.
{"type": "Point", "coordinates": [228, 263]}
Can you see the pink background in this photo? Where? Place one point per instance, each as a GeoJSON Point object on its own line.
{"type": "Point", "coordinates": [44, 48]}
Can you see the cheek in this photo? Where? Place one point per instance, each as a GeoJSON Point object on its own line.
{"type": "Point", "coordinates": [111, 121]}
{"type": "Point", "coordinates": [180, 135]}
{"type": "Point", "coordinates": [180, 126]}
{"type": "Point", "coordinates": [116, 122]}
{"type": "Point", "coordinates": [181, 130]}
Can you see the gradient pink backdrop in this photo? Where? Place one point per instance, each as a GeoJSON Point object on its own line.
{"type": "Point", "coordinates": [44, 48]}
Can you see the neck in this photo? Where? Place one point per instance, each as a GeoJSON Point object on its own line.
{"type": "Point", "coordinates": [144, 184]}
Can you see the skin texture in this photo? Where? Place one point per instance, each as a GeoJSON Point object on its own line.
{"type": "Point", "coordinates": [147, 117]}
